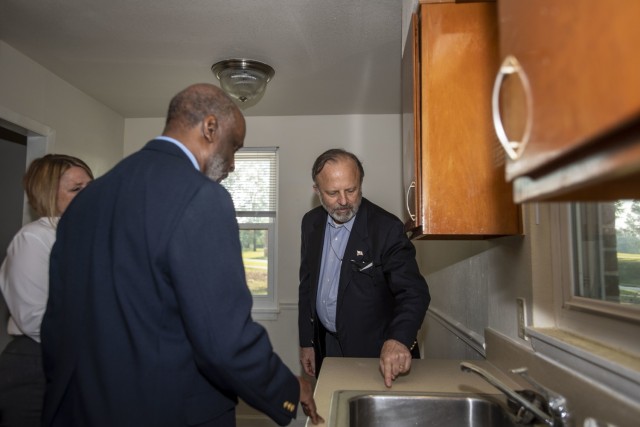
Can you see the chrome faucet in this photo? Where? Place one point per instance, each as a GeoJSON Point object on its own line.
{"type": "Point", "coordinates": [557, 403]}
{"type": "Point", "coordinates": [559, 415]}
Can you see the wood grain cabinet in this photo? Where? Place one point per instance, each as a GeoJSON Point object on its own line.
{"type": "Point", "coordinates": [453, 164]}
{"type": "Point", "coordinates": [566, 98]}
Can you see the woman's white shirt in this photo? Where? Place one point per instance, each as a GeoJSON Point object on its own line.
{"type": "Point", "coordinates": [24, 276]}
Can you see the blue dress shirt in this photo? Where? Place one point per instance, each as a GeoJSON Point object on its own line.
{"type": "Point", "coordinates": [335, 242]}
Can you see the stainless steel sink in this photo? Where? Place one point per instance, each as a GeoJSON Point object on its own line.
{"type": "Point", "coordinates": [362, 409]}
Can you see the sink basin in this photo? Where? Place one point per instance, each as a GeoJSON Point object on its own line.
{"type": "Point", "coordinates": [366, 409]}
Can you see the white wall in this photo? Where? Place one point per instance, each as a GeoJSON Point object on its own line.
{"type": "Point", "coordinates": [375, 139]}
{"type": "Point", "coordinates": [80, 126]}
{"type": "Point", "coordinates": [475, 284]}
{"type": "Point", "coordinates": [408, 7]}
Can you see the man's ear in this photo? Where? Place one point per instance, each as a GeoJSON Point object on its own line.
{"type": "Point", "coordinates": [316, 190]}
{"type": "Point", "coordinates": [209, 127]}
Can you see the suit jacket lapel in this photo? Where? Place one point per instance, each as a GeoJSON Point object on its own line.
{"type": "Point", "coordinates": [316, 242]}
{"type": "Point", "coordinates": [357, 245]}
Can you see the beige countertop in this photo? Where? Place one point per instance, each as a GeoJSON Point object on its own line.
{"type": "Point", "coordinates": [426, 375]}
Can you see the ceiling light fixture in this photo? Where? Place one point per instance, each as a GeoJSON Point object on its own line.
{"type": "Point", "coordinates": [243, 79]}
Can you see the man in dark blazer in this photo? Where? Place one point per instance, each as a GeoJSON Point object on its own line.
{"type": "Point", "coordinates": [361, 293]}
{"type": "Point", "coordinates": [148, 321]}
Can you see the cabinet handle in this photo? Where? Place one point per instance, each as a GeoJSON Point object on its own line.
{"type": "Point", "coordinates": [412, 216]}
{"type": "Point", "coordinates": [510, 66]}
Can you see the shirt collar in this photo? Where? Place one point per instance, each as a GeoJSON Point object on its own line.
{"type": "Point", "coordinates": [347, 225]}
{"type": "Point", "coordinates": [182, 147]}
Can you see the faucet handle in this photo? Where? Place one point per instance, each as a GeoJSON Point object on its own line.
{"type": "Point", "coordinates": [546, 392]}
{"type": "Point", "coordinates": [556, 402]}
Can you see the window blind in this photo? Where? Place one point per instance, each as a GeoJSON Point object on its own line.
{"type": "Point", "coordinates": [253, 184]}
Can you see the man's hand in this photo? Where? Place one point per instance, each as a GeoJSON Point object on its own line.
{"type": "Point", "coordinates": [307, 402]}
{"type": "Point", "coordinates": [395, 359]}
{"type": "Point", "coordinates": [308, 360]}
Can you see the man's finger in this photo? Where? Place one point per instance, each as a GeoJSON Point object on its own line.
{"type": "Point", "coordinates": [387, 373]}
{"type": "Point", "coordinates": [311, 412]}
{"type": "Point", "coordinates": [308, 370]}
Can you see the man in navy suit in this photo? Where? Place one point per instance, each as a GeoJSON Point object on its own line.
{"type": "Point", "coordinates": [361, 293]}
{"type": "Point", "coordinates": [148, 321]}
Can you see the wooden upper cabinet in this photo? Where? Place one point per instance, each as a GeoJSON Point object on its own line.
{"type": "Point", "coordinates": [567, 98]}
{"type": "Point", "coordinates": [453, 164]}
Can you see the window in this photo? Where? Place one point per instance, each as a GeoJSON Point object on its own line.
{"type": "Point", "coordinates": [253, 187]}
{"type": "Point", "coordinates": [593, 282]}
{"type": "Point", "coordinates": [594, 293]}
{"type": "Point", "coordinates": [606, 257]}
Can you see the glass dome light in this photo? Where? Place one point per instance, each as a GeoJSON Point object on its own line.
{"type": "Point", "coordinates": [243, 79]}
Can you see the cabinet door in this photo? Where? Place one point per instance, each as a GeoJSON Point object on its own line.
{"type": "Point", "coordinates": [452, 161]}
{"type": "Point", "coordinates": [462, 189]}
{"type": "Point", "coordinates": [573, 93]}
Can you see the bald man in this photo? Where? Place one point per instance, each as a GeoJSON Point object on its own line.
{"type": "Point", "coordinates": [149, 316]}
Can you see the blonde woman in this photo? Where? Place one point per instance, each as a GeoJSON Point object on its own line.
{"type": "Point", "coordinates": [51, 182]}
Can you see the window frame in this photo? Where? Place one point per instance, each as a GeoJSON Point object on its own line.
{"type": "Point", "coordinates": [593, 338]}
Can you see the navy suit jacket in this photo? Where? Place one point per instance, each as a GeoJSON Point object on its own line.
{"type": "Point", "coordinates": [148, 321]}
{"type": "Point", "coordinates": [385, 301]}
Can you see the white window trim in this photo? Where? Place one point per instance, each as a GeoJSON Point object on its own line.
{"type": "Point", "coordinates": [595, 338]}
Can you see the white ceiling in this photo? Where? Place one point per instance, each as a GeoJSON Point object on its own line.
{"type": "Point", "coordinates": [329, 56]}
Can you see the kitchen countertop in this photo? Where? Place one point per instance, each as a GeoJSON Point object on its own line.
{"type": "Point", "coordinates": [426, 375]}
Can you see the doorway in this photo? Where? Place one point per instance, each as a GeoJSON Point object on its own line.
{"type": "Point", "coordinates": [18, 146]}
